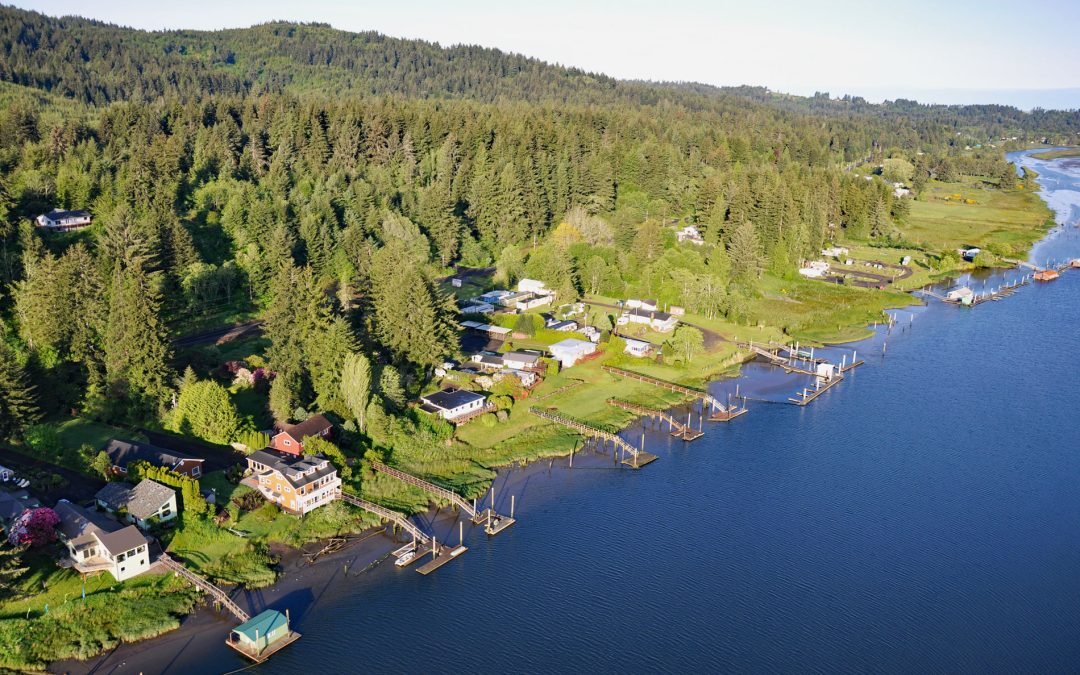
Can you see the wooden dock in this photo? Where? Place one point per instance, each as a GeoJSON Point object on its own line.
{"type": "Point", "coordinates": [630, 456]}
{"type": "Point", "coordinates": [475, 516]}
{"type": "Point", "coordinates": [773, 357]}
{"type": "Point", "coordinates": [273, 648]}
{"type": "Point", "coordinates": [398, 519]}
{"type": "Point", "coordinates": [445, 555]}
{"type": "Point", "coordinates": [677, 429]}
{"type": "Point", "coordinates": [808, 395]}
{"type": "Point", "coordinates": [718, 411]}
{"type": "Point", "coordinates": [219, 595]}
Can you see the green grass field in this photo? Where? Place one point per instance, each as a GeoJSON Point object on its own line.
{"type": "Point", "coordinates": [1015, 218]}
{"type": "Point", "coordinates": [1057, 154]}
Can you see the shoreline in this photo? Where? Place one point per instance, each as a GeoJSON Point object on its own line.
{"type": "Point", "coordinates": [301, 586]}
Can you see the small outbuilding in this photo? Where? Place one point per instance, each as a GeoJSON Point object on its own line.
{"type": "Point", "coordinates": [570, 351]}
{"type": "Point", "coordinates": [262, 635]}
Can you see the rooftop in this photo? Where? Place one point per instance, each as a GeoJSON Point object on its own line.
{"type": "Point", "coordinates": [572, 343]}
{"type": "Point", "coordinates": [122, 453]}
{"type": "Point", "coordinates": [299, 471]}
{"type": "Point", "coordinates": [141, 501]}
{"type": "Point", "coordinates": [315, 425]}
{"type": "Point", "coordinates": [448, 399]}
{"type": "Point", "coordinates": [651, 314]}
{"type": "Point", "coordinates": [262, 624]}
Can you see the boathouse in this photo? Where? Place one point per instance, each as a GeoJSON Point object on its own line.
{"type": "Point", "coordinates": [260, 632]}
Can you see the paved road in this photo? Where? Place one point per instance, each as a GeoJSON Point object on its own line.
{"type": "Point", "coordinates": [79, 488]}
{"type": "Point", "coordinates": [220, 335]}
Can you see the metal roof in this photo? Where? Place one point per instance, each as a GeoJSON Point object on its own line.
{"type": "Point", "coordinates": [449, 399]}
{"type": "Point", "coordinates": [262, 624]}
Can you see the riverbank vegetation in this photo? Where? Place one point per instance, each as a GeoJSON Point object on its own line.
{"type": "Point", "coordinates": [331, 185]}
{"type": "Point", "coordinates": [1062, 153]}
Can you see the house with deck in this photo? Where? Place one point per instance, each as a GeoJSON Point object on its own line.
{"type": "Point", "coordinates": [142, 505]}
{"type": "Point", "coordinates": [122, 453]}
{"type": "Point", "coordinates": [523, 360]}
{"type": "Point", "coordinates": [456, 405]}
{"type": "Point", "coordinates": [290, 437]}
{"type": "Point", "coordinates": [638, 348]}
{"type": "Point", "coordinates": [96, 543]}
{"type": "Point", "coordinates": [297, 484]}
{"type": "Point", "coordinates": [59, 220]}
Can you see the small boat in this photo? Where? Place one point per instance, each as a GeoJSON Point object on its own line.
{"type": "Point", "coordinates": [405, 559]}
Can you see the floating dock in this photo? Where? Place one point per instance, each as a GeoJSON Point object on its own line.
{"type": "Point", "coordinates": [677, 429]}
{"type": "Point", "coordinates": [808, 395]}
{"type": "Point", "coordinates": [445, 555]}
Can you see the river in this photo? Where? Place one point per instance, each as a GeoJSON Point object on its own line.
{"type": "Point", "coordinates": [921, 516]}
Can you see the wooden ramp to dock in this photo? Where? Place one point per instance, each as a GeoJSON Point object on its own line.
{"type": "Point", "coordinates": [477, 517]}
{"type": "Point", "coordinates": [772, 356]}
{"type": "Point", "coordinates": [200, 583]}
{"type": "Point", "coordinates": [678, 429]}
{"type": "Point", "coordinates": [638, 458]}
{"type": "Point", "coordinates": [718, 411]}
{"type": "Point", "coordinates": [394, 517]}
{"type": "Point", "coordinates": [448, 495]}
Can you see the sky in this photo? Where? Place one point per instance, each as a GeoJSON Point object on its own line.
{"type": "Point", "coordinates": [1019, 52]}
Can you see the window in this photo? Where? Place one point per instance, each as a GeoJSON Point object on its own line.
{"type": "Point", "coordinates": [196, 471]}
{"type": "Point", "coordinates": [288, 442]}
{"type": "Point", "coordinates": [120, 558]}
{"type": "Point", "coordinates": [166, 512]}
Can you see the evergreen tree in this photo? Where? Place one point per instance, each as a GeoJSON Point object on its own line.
{"type": "Point", "coordinates": [745, 253]}
{"type": "Point", "coordinates": [356, 386]}
{"type": "Point", "coordinates": [18, 401]}
{"type": "Point", "coordinates": [390, 387]}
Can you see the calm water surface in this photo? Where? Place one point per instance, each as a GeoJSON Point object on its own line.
{"type": "Point", "coordinates": [922, 516]}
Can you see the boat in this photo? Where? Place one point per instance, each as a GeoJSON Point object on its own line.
{"type": "Point", "coordinates": [405, 559]}
{"type": "Point", "coordinates": [1046, 275]}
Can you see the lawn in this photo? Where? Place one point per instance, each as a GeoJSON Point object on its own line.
{"type": "Point", "coordinates": [1015, 218]}
{"type": "Point", "coordinates": [75, 433]}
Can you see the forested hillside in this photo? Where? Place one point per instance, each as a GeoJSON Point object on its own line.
{"type": "Point", "coordinates": [324, 180]}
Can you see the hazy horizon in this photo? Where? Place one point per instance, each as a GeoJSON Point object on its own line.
{"type": "Point", "coordinates": [962, 54]}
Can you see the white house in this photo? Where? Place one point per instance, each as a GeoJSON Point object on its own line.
{"type": "Point", "coordinates": [98, 544]}
{"type": "Point", "coordinates": [522, 360]}
{"type": "Point", "coordinates": [62, 221]}
{"type": "Point", "coordinates": [455, 405]}
{"type": "Point", "coordinates": [591, 332]}
{"type": "Point", "coordinates": [563, 326]}
{"type": "Point", "coordinates": [647, 304]}
{"type": "Point", "coordinates": [638, 348]}
{"type": "Point", "coordinates": [488, 362]}
{"type": "Point", "coordinates": [534, 286]}
{"type": "Point", "coordinates": [690, 234]}
{"type": "Point", "coordinates": [528, 378]}
{"type": "Point", "coordinates": [659, 321]}
{"type": "Point", "coordinates": [142, 503]}
{"type": "Point", "coordinates": [570, 351]}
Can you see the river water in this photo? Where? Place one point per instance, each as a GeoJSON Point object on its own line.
{"type": "Point", "coordinates": [921, 516]}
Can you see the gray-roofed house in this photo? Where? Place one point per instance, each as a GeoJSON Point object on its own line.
{"type": "Point", "coordinates": [296, 484]}
{"type": "Point", "coordinates": [659, 321]}
{"type": "Point", "coordinates": [97, 543]}
{"type": "Point", "coordinates": [456, 405]}
{"type": "Point", "coordinates": [142, 504]}
{"type": "Point", "coordinates": [122, 453]}
{"type": "Point", "coordinates": [61, 221]}
{"type": "Point", "coordinates": [523, 360]}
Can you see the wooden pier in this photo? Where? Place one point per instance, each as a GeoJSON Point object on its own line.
{"type": "Point", "coordinates": [637, 458]}
{"type": "Point", "coordinates": [677, 429]}
{"type": "Point", "coordinates": [718, 411]}
{"type": "Point", "coordinates": [773, 356]}
{"type": "Point", "coordinates": [808, 395]}
{"type": "Point", "coordinates": [445, 555]}
{"type": "Point", "coordinates": [398, 519]}
{"type": "Point", "coordinates": [477, 517]}
{"type": "Point", "coordinates": [219, 595]}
